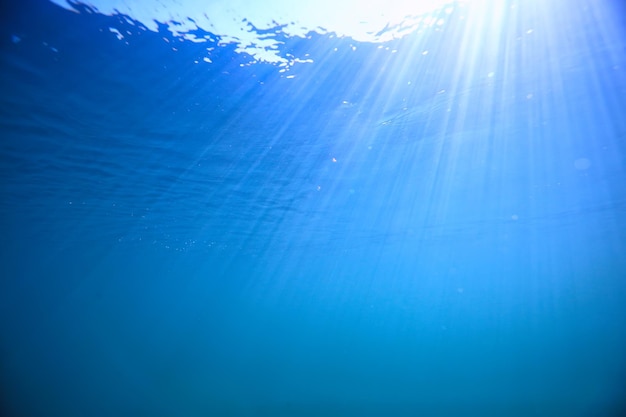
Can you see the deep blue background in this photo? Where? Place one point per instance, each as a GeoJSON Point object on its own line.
{"type": "Point", "coordinates": [193, 239]}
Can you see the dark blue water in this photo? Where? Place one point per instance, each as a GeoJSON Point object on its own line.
{"type": "Point", "coordinates": [384, 234]}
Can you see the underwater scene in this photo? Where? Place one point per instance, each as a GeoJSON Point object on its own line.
{"type": "Point", "coordinates": [313, 208]}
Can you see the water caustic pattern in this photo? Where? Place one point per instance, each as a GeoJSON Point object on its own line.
{"type": "Point", "coordinates": [313, 209]}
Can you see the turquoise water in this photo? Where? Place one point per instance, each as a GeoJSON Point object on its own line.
{"type": "Point", "coordinates": [379, 232]}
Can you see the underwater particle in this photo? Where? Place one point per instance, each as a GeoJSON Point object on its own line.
{"type": "Point", "coordinates": [515, 217]}
{"type": "Point", "coordinates": [582, 164]}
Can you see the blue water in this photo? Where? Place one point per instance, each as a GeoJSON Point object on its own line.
{"type": "Point", "coordinates": [382, 234]}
